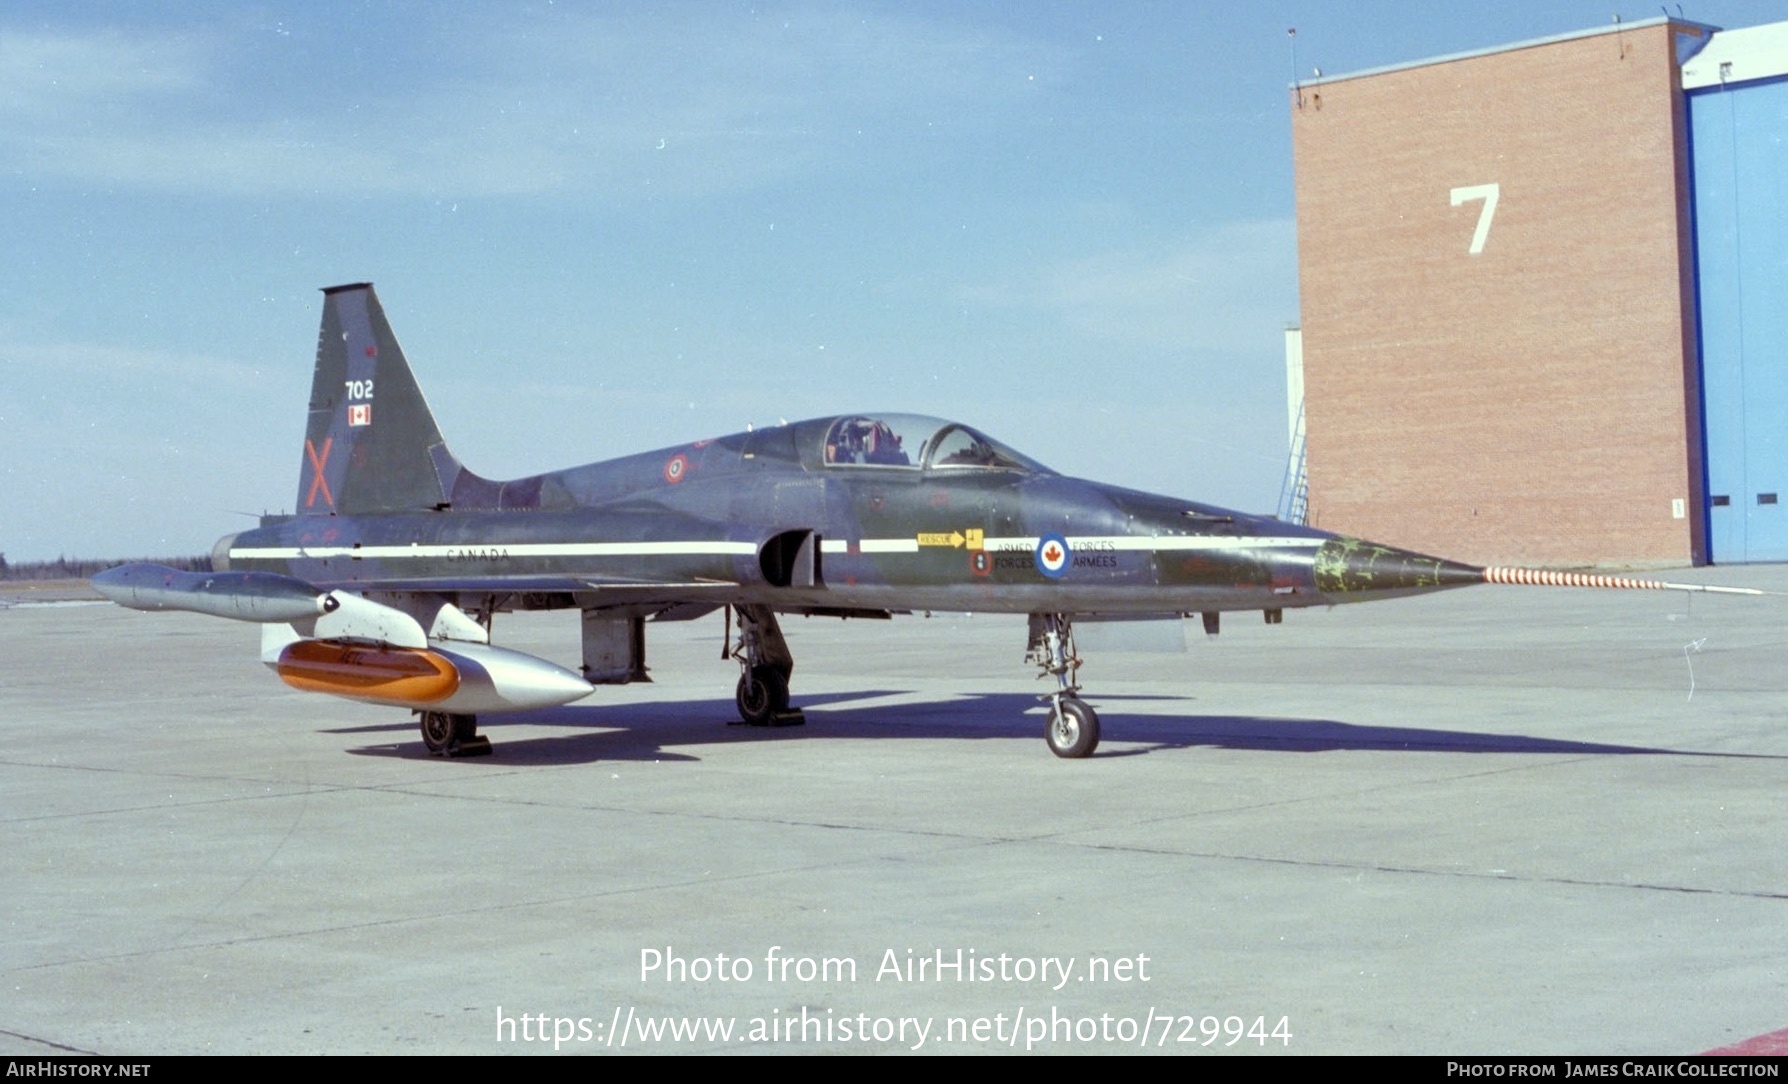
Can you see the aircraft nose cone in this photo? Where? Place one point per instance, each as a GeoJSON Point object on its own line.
{"type": "Point", "coordinates": [1351, 569]}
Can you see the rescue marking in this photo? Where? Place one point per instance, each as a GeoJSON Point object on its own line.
{"type": "Point", "coordinates": [954, 539]}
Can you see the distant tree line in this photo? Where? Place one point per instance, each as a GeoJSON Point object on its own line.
{"type": "Point", "coordinates": [63, 568]}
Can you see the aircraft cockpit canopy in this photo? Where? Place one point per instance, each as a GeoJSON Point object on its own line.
{"type": "Point", "coordinates": [918, 442]}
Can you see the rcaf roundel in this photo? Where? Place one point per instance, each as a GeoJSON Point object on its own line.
{"type": "Point", "coordinates": [1052, 555]}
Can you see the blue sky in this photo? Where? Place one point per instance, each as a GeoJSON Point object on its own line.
{"type": "Point", "coordinates": [602, 228]}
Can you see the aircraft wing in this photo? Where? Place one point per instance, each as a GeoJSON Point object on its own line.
{"type": "Point", "coordinates": [679, 600]}
{"type": "Point", "coordinates": [618, 586]}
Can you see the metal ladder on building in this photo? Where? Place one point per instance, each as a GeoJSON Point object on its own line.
{"type": "Point", "coordinates": [1294, 491]}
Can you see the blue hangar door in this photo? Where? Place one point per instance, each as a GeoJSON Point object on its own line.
{"type": "Point", "coordinates": [1739, 154]}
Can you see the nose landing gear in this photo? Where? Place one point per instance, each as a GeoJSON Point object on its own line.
{"type": "Point", "coordinates": [1073, 728]}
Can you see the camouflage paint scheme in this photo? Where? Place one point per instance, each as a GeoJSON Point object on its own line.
{"type": "Point", "coordinates": [391, 509]}
{"type": "Point", "coordinates": [400, 548]}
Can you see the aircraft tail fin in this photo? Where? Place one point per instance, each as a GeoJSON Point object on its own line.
{"type": "Point", "coordinates": [371, 444]}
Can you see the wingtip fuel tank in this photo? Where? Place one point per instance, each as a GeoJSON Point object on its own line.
{"type": "Point", "coordinates": [240, 596]}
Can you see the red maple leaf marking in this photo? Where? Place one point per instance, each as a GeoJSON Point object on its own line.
{"type": "Point", "coordinates": [372, 351]}
{"type": "Point", "coordinates": [1052, 555]}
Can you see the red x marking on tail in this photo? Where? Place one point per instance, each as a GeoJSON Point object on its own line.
{"type": "Point", "coordinates": [316, 479]}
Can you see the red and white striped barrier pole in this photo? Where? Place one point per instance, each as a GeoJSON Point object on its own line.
{"type": "Point", "coordinates": [1535, 577]}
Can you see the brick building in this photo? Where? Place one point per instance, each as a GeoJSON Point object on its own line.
{"type": "Point", "coordinates": [1501, 330]}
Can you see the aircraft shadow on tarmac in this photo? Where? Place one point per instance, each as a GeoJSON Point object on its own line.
{"type": "Point", "coordinates": [666, 731]}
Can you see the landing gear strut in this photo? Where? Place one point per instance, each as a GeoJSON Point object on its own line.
{"type": "Point", "coordinates": [448, 735]}
{"type": "Point", "coordinates": [765, 664]}
{"type": "Point", "coordinates": [1073, 728]}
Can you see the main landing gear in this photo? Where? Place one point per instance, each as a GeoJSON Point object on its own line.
{"type": "Point", "coordinates": [765, 664]}
{"type": "Point", "coordinates": [448, 735]}
{"type": "Point", "coordinates": [1073, 728]}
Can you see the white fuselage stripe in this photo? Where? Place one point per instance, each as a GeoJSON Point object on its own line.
{"type": "Point", "coordinates": [480, 551]}
{"type": "Point", "coordinates": [474, 551]}
{"type": "Point", "coordinates": [1145, 543]}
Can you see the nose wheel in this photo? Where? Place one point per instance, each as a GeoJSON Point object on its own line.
{"type": "Point", "coordinates": [1073, 727]}
{"type": "Point", "coordinates": [1073, 730]}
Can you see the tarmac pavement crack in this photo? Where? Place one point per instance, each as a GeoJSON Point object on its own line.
{"type": "Point", "coordinates": [1421, 871]}
{"type": "Point", "coordinates": [44, 1042]}
{"type": "Point", "coordinates": [433, 919]}
{"type": "Point", "coordinates": [1303, 799]}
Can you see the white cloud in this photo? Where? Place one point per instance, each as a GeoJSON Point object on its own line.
{"type": "Point", "coordinates": [66, 368]}
{"type": "Point", "coordinates": [56, 76]}
{"type": "Point", "coordinates": [616, 105]}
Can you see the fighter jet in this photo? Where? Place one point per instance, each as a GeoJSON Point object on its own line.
{"type": "Point", "coordinates": [382, 586]}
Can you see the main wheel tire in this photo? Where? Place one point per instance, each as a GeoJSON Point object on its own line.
{"type": "Point", "coordinates": [439, 731]}
{"type": "Point", "coordinates": [1073, 730]}
{"type": "Point", "coordinates": [442, 731]}
{"type": "Point", "coordinates": [762, 693]}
